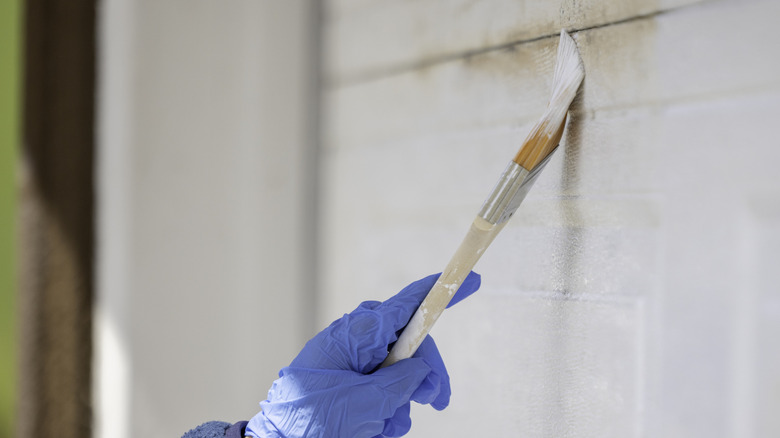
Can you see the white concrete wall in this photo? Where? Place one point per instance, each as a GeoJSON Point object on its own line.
{"type": "Point", "coordinates": [205, 217]}
{"type": "Point", "coordinates": [636, 291]}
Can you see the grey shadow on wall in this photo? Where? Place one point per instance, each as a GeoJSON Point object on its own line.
{"type": "Point", "coordinates": [566, 267]}
{"type": "Point", "coordinates": [562, 355]}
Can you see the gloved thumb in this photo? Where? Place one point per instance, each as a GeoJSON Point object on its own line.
{"type": "Point", "coordinates": [398, 382]}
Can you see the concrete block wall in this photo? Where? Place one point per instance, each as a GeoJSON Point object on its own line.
{"type": "Point", "coordinates": [636, 291]}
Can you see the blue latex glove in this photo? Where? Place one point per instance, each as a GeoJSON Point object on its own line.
{"type": "Point", "coordinates": [332, 388]}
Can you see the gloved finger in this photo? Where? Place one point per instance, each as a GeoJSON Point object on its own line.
{"type": "Point", "coordinates": [435, 388]}
{"type": "Point", "coordinates": [375, 329]}
{"type": "Point", "coordinates": [372, 328]}
{"type": "Point", "coordinates": [369, 305]}
{"type": "Point", "coordinates": [396, 384]}
{"type": "Point", "coordinates": [469, 286]}
{"type": "Point", "coordinates": [358, 341]}
{"type": "Point", "coordinates": [352, 342]}
{"type": "Point", "coordinates": [399, 308]}
{"type": "Point", "coordinates": [400, 423]}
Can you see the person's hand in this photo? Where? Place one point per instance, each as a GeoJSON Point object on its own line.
{"type": "Point", "coordinates": [332, 389]}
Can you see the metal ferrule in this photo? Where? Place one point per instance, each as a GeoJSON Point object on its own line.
{"type": "Point", "coordinates": [509, 192]}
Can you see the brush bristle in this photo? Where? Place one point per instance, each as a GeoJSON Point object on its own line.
{"type": "Point", "coordinates": [567, 77]}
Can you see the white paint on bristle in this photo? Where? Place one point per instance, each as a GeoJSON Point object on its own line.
{"type": "Point", "coordinates": [567, 77]}
{"type": "Point", "coordinates": [569, 70]}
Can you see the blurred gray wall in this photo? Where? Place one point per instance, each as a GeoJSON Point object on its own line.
{"type": "Point", "coordinates": [205, 222]}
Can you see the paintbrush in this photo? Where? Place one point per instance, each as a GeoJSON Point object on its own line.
{"type": "Point", "coordinates": [503, 201]}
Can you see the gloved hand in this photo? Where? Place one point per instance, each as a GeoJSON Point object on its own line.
{"type": "Point", "coordinates": [332, 388]}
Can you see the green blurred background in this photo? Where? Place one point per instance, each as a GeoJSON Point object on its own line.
{"type": "Point", "coordinates": [10, 41]}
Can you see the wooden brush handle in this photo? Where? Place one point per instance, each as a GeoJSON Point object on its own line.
{"type": "Point", "coordinates": [479, 237]}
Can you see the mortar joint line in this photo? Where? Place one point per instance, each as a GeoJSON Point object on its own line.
{"type": "Point", "coordinates": [404, 67]}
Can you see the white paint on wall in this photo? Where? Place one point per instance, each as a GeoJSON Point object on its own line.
{"type": "Point", "coordinates": [757, 305]}
{"type": "Point", "coordinates": [632, 293]}
{"type": "Point", "coordinates": [402, 35]}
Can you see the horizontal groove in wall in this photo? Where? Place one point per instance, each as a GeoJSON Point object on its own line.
{"type": "Point", "coordinates": [371, 75]}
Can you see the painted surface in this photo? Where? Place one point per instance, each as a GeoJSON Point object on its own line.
{"type": "Point", "coordinates": [635, 292]}
{"type": "Point", "coordinates": [396, 36]}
